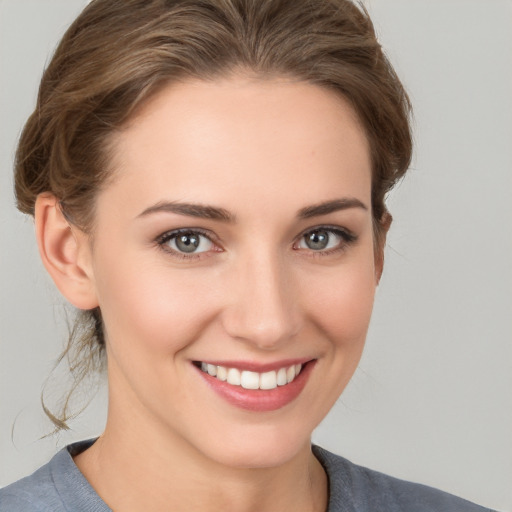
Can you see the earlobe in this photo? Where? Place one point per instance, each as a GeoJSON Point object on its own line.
{"type": "Point", "coordinates": [64, 252]}
{"type": "Point", "coordinates": [382, 231]}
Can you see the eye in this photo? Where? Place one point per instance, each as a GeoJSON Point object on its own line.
{"type": "Point", "coordinates": [186, 242]}
{"type": "Point", "coordinates": [325, 239]}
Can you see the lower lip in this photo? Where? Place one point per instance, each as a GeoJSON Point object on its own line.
{"type": "Point", "coordinates": [260, 400]}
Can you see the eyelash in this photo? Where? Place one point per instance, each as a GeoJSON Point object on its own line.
{"type": "Point", "coordinates": [347, 239]}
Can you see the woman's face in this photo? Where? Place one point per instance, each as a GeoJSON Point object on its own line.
{"type": "Point", "coordinates": [237, 234]}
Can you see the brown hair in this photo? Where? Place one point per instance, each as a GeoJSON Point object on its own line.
{"type": "Point", "coordinates": [118, 53]}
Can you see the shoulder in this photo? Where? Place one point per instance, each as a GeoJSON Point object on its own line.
{"type": "Point", "coordinates": [356, 488]}
{"type": "Point", "coordinates": [58, 486]}
{"type": "Point", "coordinates": [36, 492]}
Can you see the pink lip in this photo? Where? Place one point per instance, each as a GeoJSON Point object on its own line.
{"type": "Point", "coordinates": [260, 400]}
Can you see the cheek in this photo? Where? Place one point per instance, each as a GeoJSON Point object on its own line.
{"type": "Point", "coordinates": [342, 304]}
{"type": "Point", "coordinates": [154, 309]}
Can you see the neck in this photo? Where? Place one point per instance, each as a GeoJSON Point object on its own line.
{"type": "Point", "coordinates": [125, 463]}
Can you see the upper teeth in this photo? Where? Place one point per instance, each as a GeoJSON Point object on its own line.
{"type": "Point", "coordinates": [253, 380]}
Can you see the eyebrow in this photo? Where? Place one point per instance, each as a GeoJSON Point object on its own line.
{"type": "Point", "coordinates": [191, 210]}
{"type": "Point", "coordinates": [330, 206]}
{"type": "Point", "coordinates": [221, 214]}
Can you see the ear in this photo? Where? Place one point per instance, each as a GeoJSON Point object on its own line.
{"type": "Point", "coordinates": [65, 252]}
{"type": "Point", "coordinates": [380, 242]}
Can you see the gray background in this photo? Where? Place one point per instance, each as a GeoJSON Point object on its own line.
{"type": "Point", "coordinates": [432, 398]}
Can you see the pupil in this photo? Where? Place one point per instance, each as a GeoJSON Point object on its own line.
{"type": "Point", "coordinates": [317, 240]}
{"type": "Point", "coordinates": [187, 243]}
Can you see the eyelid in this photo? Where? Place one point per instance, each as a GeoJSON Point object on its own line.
{"type": "Point", "coordinates": [174, 232]}
{"type": "Point", "coordinates": [339, 230]}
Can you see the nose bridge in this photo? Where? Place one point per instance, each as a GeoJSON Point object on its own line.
{"type": "Point", "coordinates": [263, 309]}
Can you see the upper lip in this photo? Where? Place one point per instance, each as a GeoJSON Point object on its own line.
{"type": "Point", "coordinates": [258, 367]}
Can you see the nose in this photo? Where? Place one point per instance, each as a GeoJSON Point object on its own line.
{"type": "Point", "coordinates": [263, 309]}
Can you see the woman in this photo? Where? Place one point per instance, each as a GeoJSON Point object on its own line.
{"type": "Point", "coordinates": [232, 306]}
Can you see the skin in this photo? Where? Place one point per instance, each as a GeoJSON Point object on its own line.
{"type": "Point", "coordinates": [263, 150]}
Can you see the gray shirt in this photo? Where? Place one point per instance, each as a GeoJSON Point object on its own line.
{"type": "Point", "coordinates": [59, 486]}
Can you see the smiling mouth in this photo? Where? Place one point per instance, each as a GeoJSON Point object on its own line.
{"type": "Point", "coordinates": [252, 380]}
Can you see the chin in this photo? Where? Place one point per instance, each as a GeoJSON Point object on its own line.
{"type": "Point", "coordinates": [263, 447]}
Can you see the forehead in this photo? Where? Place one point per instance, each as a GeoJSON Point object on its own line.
{"type": "Point", "coordinates": [242, 139]}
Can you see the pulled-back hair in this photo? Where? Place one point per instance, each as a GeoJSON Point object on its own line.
{"type": "Point", "coordinates": [118, 53]}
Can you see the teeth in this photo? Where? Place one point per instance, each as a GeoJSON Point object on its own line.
{"type": "Point", "coordinates": [290, 374]}
{"type": "Point", "coordinates": [250, 380]}
{"type": "Point", "coordinates": [268, 380]}
{"type": "Point", "coordinates": [222, 373]}
{"type": "Point", "coordinates": [281, 377]}
{"type": "Point", "coordinates": [233, 377]}
{"type": "Point", "coordinates": [253, 380]}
